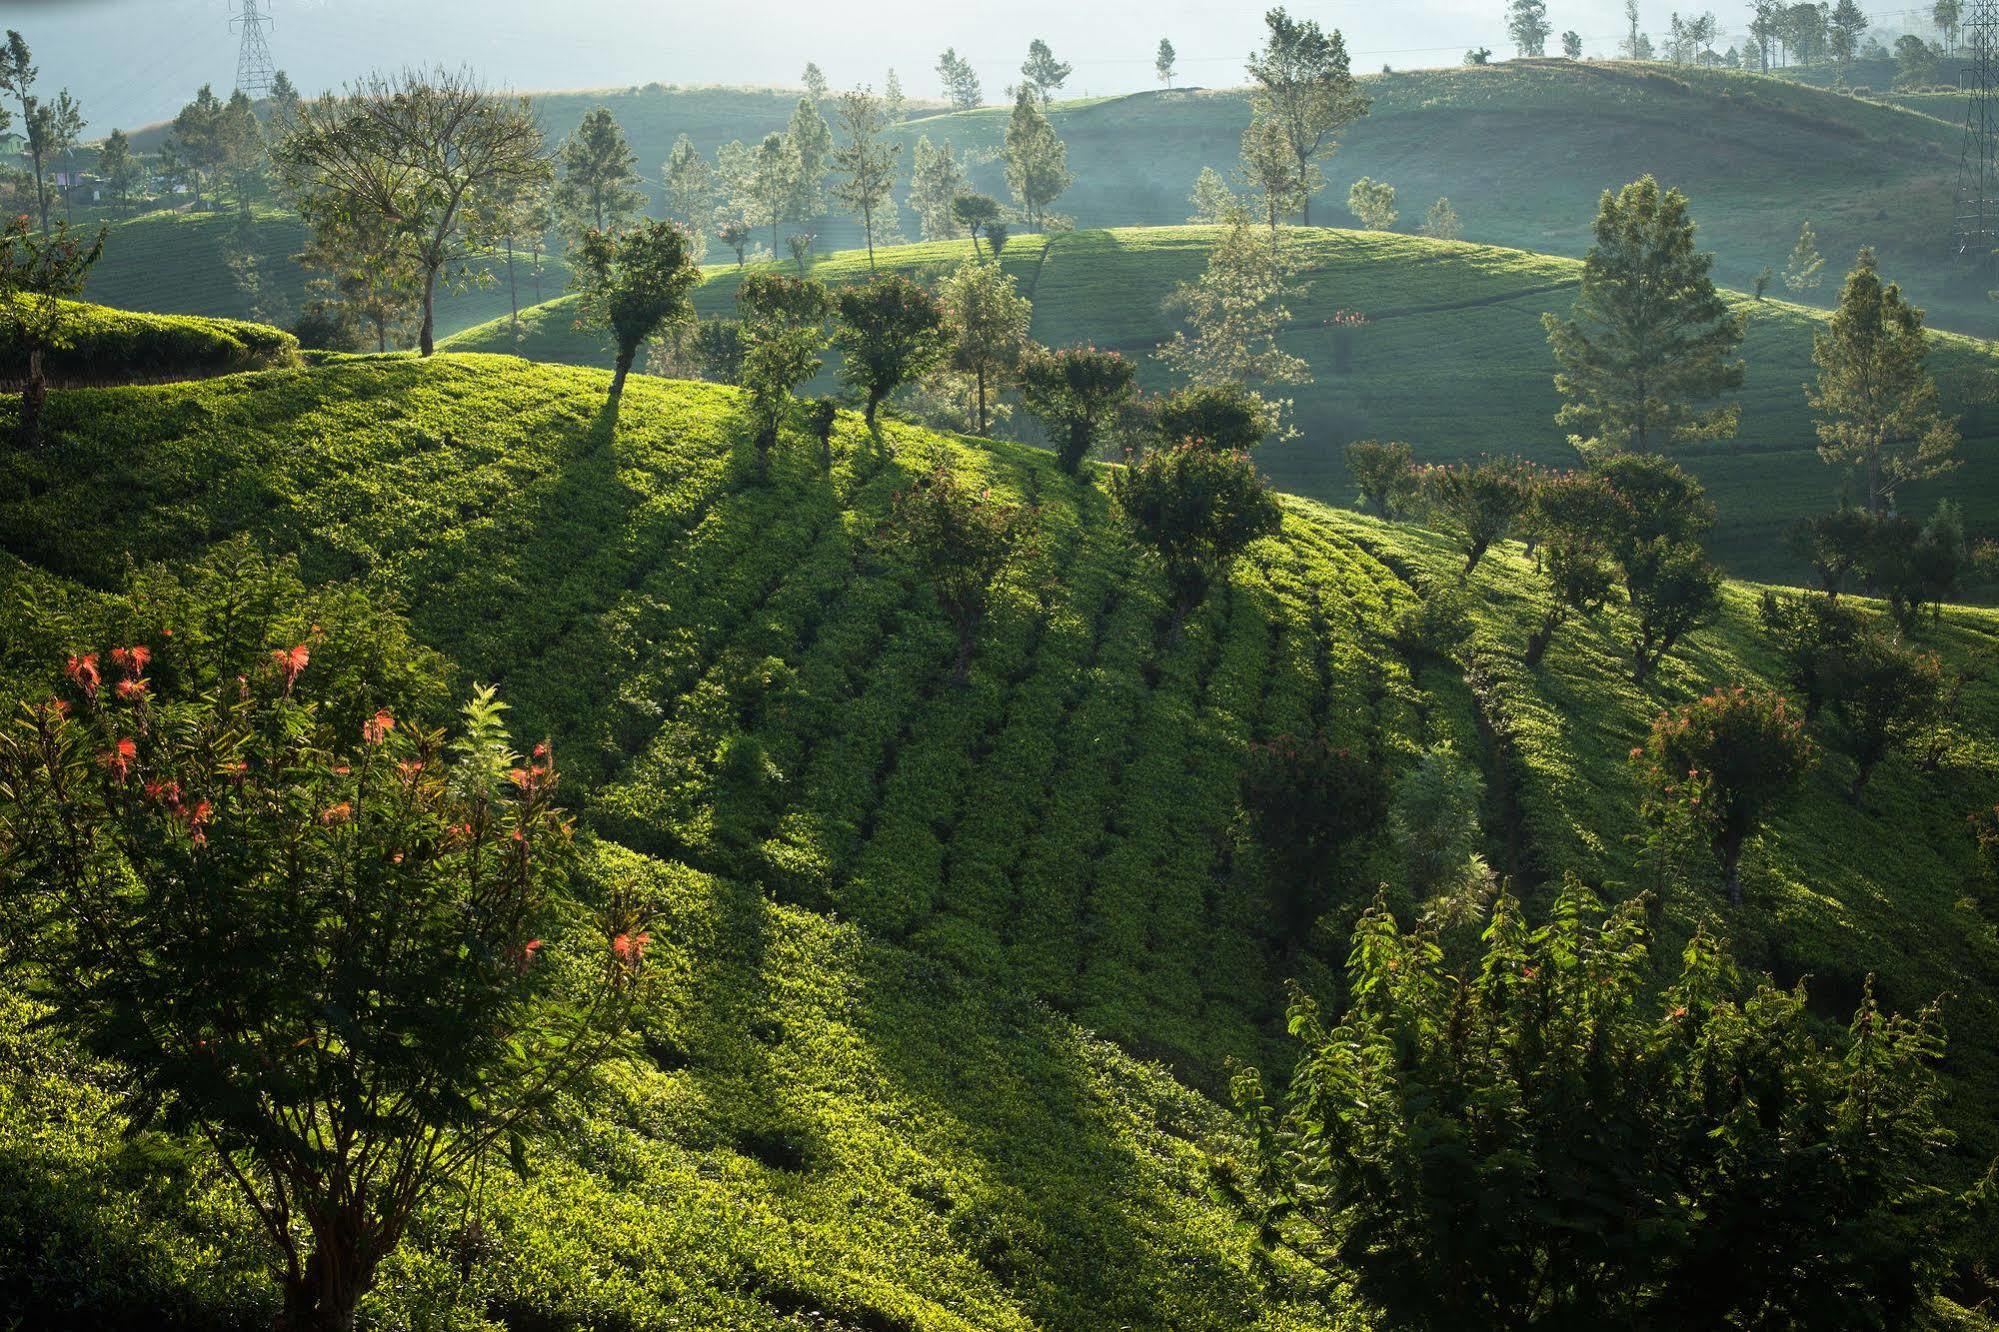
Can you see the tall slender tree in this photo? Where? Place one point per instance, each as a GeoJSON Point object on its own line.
{"type": "Point", "coordinates": [1650, 340]}
{"type": "Point", "coordinates": [961, 82]}
{"type": "Point", "coordinates": [687, 186]}
{"type": "Point", "coordinates": [988, 318]}
{"type": "Point", "coordinates": [1878, 406]}
{"type": "Point", "coordinates": [1163, 61]}
{"type": "Point", "coordinates": [597, 178]}
{"type": "Point", "coordinates": [1043, 72]}
{"type": "Point", "coordinates": [1037, 161]}
{"type": "Point", "coordinates": [935, 181]}
{"type": "Point", "coordinates": [812, 144]}
{"type": "Point", "coordinates": [773, 184]}
{"type": "Point", "coordinates": [866, 162]}
{"type": "Point", "coordinates": [1304, 87]}
{"type": "Point", "coordinates": [1527, 24]}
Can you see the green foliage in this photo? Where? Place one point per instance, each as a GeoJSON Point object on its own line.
{"type": "Point", "coordinates": [1196, 509]}
{"type": "Point", "coordinates": [1886, 695]}
{"type": "Point", "coordinates": [891, 331]}
{"type": "Point", "coordinates": [1530, 1139]}
{"type": "Point", "coordinates": [597, 178]}
{"type": "Point", "coordinates": [964, 543]}
{"type": "Point", "coordinates": [1223, 416]}
{"type": "Point", "coordinates": [1434, 818]}
{"type": "Point", "coordinates": [635, 282]}
{"type": "Point", "coordinates": [1814, 638]}
{"type": "Point", "coordinates": [988, 319]}
{"type": "Point", "coordinates": [1312, 805]}
{"type": "Point", "coordinates": [1576, 520]}
{"type": "Point", "coordinates": [866, 162]}
{"type": "Point", "coordinates": [1373, 202]}
{"type": "Point", "coordinates": [1730, 756]}
{"type": "Point", "coordinates": [1474, 504]}
{"type": "Point", "coordinates": [318, 950]}
{"type": "Point", "coordinates": [1442, 221]}
{"type": "Point", "coordinates": [101, 345]}
{"type": "Point", "coordinates": [1650, 338]}
{"type": "Point", "coordinates": [1805, 269]}
{"type": "Point", "coordinates": [1385, 475]}
{"type": "Point", "coordinates": [1305, 92]}
{"type": "Point", "coordinates": [782, 324]}
{"type": "Point", "coordinates": [1238, 309]}
{"type": "Point", "coordinates": [1075, 392]}
{"type": "Point", "coordinates": [1878, 406]}
{"type": "Point", "coordinates": [1037, 162]}
{"type": "Point", "coordinates": [39, 277]}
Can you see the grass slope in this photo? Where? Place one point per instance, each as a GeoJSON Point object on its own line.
{"type": "Point", "coordinates": [1453, 359]}
{"type": "Point", "coordinates": [926, 934]}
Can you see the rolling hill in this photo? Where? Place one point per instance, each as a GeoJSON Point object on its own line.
{"type": "Point", "coordinates": [1523, 149]}
{"type": "Point", "coordinates": [957, 970]}
{"type": "Point", "coordinates": [1452, 359]}
{"type": "Point", "coordinates": [193, 263]}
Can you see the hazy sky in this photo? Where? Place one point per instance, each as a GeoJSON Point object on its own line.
{"type": "Point", "coordinates": [133, 61]}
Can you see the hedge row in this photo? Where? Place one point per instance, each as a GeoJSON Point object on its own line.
{"type": "Point", "coordinates": [99, 345]}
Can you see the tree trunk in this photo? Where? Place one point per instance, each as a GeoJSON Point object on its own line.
{"type": "Point", "coordinates": [324, 1297]}
{"type": "Point", "coordinates": [34, 393]}
{"type": "Point", "coordinates": [868, 225]}
{"type": "Point", "coordinates": [1537, 643]}
{"type": "Point", "coordinates": [982, 400]}
{"type": "Point", "coordinates": [425, 343]}
{"type": "Point", "coordinates": [1641, 665]}
{"type": "Point", "coordinates": [513, 291]}
{"type": "Point", "coordinates": [1731, 868]}
{"type": "Point", "coordinates": [626, 355]}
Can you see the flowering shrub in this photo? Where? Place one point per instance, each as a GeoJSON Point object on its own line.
{"type": "Point", "coordinates": [1729, 757]}
{"type": "Point", "coordinates": [318, 947]}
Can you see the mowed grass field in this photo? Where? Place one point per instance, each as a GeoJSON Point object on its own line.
{"type": "Point", "coordinates": [1452, 359]}
{"type": "Point", "coordinates": [956, 972]}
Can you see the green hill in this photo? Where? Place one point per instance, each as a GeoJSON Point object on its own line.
{"type": "Point", "coordinates": [1452, 359]}
{"type": "Point", "coordinates": [192, 263]}
{"type": "Point", "coordinates": [1523, 149]}
{"type": "Point", "coordinates": [957, 971]}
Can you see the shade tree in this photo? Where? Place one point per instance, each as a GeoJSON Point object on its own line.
{"type": "Point", "coordinates": [1036, 160]}
{"type": "Point", "coordinates": [1373, 202]}
{"type": "Point", "coordinates": [1574, 520]}
{"type": "Point", "coordinates": [961, 82]}
{"type": "Point", "coordinates": [782, 329]}
{"type": "Point", "coordinates": [1043, 73]}
{"type": "Point", "coordinates": [1474, 504]}
{"type": "Point", "coordinates": [1302, 85]}
{"type": "Point", "coordinates": [987, 319]}
{"type": "Point", "coordinates": [1196, 509]}
{"type": "Point", "coordinates": [1730, 758]}
{"type": "Point", "coordinates": [1385, 475]}
{"type": "Point", "coordinates": [1075, 393]}
{"type": "Point", "coordinates": [41, 275]}
{"type": "Point", "coordinates": [1650, 342]}
{"type": "Point", "coordinates": [866, 161]}
{"type": "Point", "coordinates": [634, 283]}
{"type": "Point", "coordinates": [965, 542]}
{"type": "Point", "coordinates": [891, 331]}
{"type": "Point", "coordinates": [1878, 406]}
{"type": "Point", "coordinates": [416, 150]}
{"type": "Point", "coordinates": [596, 178]}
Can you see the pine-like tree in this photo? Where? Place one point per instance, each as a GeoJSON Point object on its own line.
{"type": "Point", "coordinates": [1037, 161]}
{"type": "Point", "coordinates": [1878, 406]}
{"type": "Point", "coordinates": [1304, 88]}
{"type": "Point", "coordinates": [1806, 268]}
{"type": "Point", "coordinates": [1650, 339]}
{"type": "Point", "coordinates": [935, 182]}
{"type": "Point", "coordinates": [1043, 71]}
{"type": "Point", "coordinates": [597, 178]}
{"type": "Point", "coordinates": [1163, 60]}
{"type": "Point", "coordinates": [961, 82]}
{"type": "Point", "coordinates": [866, 162]}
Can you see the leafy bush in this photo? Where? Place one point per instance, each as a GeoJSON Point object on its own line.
{"type": "Point", "coordinates": [1312, 805]}
{"type": "Point", "coordinates": [1385, 475]}
{"type": "Point", "coordinates": [1532, 1140]}
{"type": "Point", "coordinates": [1474, 504]}
{"type": "Point", "coordinates": [1729, 756]}
{"type": "Point", "coordinates": [1197, 509]}
{"type": "Point", "coordinates": [104, 346]}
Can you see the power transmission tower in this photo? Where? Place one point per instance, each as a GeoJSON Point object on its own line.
{"type": "Point", "coordinates": [253, 58]}
{"type": "Point", "coordinates": [1975, 224]}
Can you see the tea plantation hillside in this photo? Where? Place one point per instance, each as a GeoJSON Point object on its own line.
{"type": "Point", "coordinates": [193, 263]}
{"type": "Point", "coordinates": [1522, 148]}
{"type": "Point", "coordinates": [955, 972]}
{"type": "Point", "coordinates": [1452, 359]}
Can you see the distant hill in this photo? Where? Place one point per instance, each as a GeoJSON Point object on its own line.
{"type": "Point", "coordinates": [953, 974]}
{"type": "Point", "coordinates": [1452, 359]}
{"type": "Point", "coordinates": [1523, 149]}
